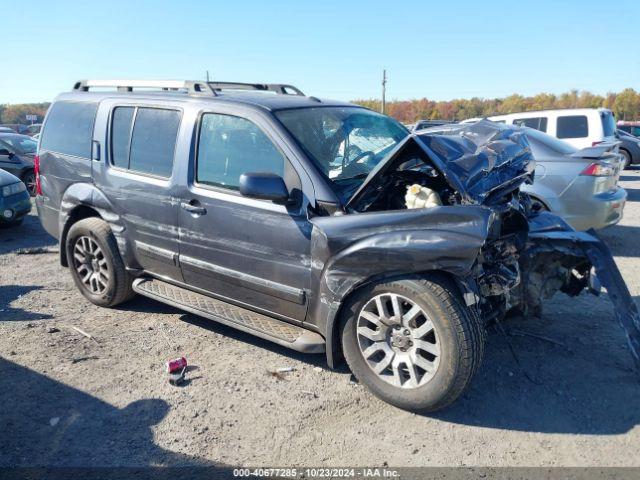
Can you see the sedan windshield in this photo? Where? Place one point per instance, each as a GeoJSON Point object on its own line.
{"type": "Point", "coordinates": [21, 143]}
{"type": "Point", "coordinates": [346, 143]}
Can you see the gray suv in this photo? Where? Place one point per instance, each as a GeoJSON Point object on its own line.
{"type": "Point", "coordinates": [320, 225]}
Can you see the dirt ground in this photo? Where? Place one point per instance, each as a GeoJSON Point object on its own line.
{"type": "Point", "coordinates": [69, 400]}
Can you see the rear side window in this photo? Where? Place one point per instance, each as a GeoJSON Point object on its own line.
{"type": "Point", "coordinates": [572, 126]}
{"type": "Point", "coordinates": [539, 123]}
{"type": "Point", "coordinates": [149, 146]}
{"type": "Point", "coordinates": [69, 128]}
{"type": "Point", "coordinates": [608, 124]}
{"type": "Point", "coordinates": [230, 146]}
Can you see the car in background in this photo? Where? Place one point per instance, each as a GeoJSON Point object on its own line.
{"type": "Point", "coordinates": [422, 124]}
{"type": "Point", "coordinates": [15, 127]}
{"type": "Point", "coordinates": [580, 127]}
{"type": "Point", "coordinates": [17, 154]}
{"type": "Point", "coordinates": [632, 128]}
{"type": "Point", "coordinates": [629, 148]}
{"type": "Point", "coordinates": [579, 185]}
{"type": "Point", "coordinates": [32, 130]}
{"type": "Point", "coordinates": [7, 130]}
{"type": "Point", "coordinates": [14, 200]}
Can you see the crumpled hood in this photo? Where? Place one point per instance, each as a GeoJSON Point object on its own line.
{"type": "Point", "coordinates": [487, 158]}
{"type": "Point", "coordinates": [482, 161]}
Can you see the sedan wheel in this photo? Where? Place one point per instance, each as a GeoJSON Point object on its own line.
{"type": "Point", "coordinates": [30, 181]}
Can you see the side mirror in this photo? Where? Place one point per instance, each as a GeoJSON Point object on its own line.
{"type": "Point", "coordinates": [265, 186]}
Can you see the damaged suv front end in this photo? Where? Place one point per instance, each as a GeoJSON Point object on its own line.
{"type": "Point", "coordinates": [432, 204]}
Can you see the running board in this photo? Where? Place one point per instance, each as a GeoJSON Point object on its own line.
{"type": "Point", "coordinates": [257, 324]}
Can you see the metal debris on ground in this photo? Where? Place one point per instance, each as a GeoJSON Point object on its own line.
{"type": "Point", "coordinates": [82, 332]}
{"type": "Point", "coordinates": [285, 369]}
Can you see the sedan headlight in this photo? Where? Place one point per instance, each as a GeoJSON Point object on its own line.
{"type": "Point", "coordinates": [13, 189]}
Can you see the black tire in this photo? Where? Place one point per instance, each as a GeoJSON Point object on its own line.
{"type": "Point", "coordinates": [460, 334]}
{"type": "Point", "coordinates": [117, 287]}
{"type": "Point", "coordinates": [29, 179]}
{"type": "Point", "coordinates": [627, 159]}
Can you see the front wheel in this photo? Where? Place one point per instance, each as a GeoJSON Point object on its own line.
{"type": "Point", "coordinates": [95, 263]}
{"type": "Point", "coordinates": [413, 342]}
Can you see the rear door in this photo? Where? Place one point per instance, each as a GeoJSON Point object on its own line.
{"type": "Point", "coordinates": [136, 175]}
{"type": "Point", "coordinates": [251, 252]}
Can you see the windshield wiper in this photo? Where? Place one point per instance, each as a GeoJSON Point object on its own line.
{"type": "Point", "coordinates": [355, 177]}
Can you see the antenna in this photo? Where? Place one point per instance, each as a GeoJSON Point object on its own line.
{"type": "Point", "coordinates": [384, 90]}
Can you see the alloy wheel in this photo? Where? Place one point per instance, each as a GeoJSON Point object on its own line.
{"type": "Point", "coordinates": [398, 340]}
{"type": "Point", "coordinates": [91, 265]}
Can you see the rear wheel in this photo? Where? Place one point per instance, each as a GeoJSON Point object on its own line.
{"type": "Point", "coordinates": [95, 263]}
{"type": "Point", "coordinates": [413, 342]}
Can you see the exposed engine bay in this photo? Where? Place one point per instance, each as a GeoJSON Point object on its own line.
{"type": "Point", "coordinates": [528, 255]}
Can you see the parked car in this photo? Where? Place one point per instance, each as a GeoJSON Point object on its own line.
{"type": "Point", "coordinates": [17, 153]}
{"type": "Point", "coordinates": [422, 124]}
{"type": "Point", "coordinates": [629, 148]}
{"type": "Point", "coordinates": [32, 130]}
{"type": "Point", "coordinates": [289, 217]}
{"type": "Point", "coordinates": [581, 186]}
{"type": "Point", "coordinates": [14, 127]}
{"type": "Point", "coordinates": [7, 130]}
{"type": "Point", "coordinates": [580, 127]}
{"type": "Point", "coordinates": [632, 128]}
{"type": "Point", "coordinates": [14, 200]}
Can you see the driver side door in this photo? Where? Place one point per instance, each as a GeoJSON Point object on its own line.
{"type": "Point", "coordinates": [254, 253]}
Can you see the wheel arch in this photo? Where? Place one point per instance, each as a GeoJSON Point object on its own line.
{"type": "Point", "coordinates": [84, 200]}
{"type": "Point", "coordinates": [80, 212]}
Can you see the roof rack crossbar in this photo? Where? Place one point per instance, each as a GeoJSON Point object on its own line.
{"type": "Point", "coordinates": [279, 88]}
{"type": "Point", "coordinates": [189, 86]}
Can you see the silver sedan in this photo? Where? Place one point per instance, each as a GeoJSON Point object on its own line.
{"type": "Point", "coordinates": [579, 185]}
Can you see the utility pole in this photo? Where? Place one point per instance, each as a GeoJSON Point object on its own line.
{"type": "Point", "coordinates": [207, 76]}
{"type": "Point", "coordinates": [384, 90]}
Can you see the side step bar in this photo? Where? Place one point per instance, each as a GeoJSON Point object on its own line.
{"type": "Point", "coordinates": [262, 326]}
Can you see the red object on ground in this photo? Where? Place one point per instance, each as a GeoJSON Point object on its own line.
{"type": "Point", "coordinates": [176, 364]}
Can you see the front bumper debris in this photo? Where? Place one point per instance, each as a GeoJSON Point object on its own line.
{"type": "Point", "coordinates": [607, 273]}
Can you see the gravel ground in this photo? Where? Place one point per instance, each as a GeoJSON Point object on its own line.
{"type": "Point", "coordinates": [69, 400]}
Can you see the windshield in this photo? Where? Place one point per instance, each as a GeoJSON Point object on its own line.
{"type": "Point", "coordinates": [346, 143]}
{"type": "Point", "coordinates": [21, 143]}
{"type": "Point", "coordinates": [551, 142]}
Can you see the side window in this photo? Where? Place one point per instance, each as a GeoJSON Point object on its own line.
{"type": "Point", "coordinates": [539, 123]}
{"type": "Point", "coordinates": [230, 146]}
{"type": "Point", "coordinates": [121, 136]}
{"type": "Point", "coordinates": [69, 128]}
{"type": "Point", "coordinates": [148, 147]}
{"type": "Point", "coordinates": [572, 126]}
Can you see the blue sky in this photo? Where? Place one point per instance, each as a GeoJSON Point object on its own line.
{"type": "Point", "coordinates": [336, 49]}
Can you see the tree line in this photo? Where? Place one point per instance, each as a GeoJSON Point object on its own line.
{"type": "Point", "coordinates": [625, 105]}
{"type": "Point", "coordinates": [17, 112]}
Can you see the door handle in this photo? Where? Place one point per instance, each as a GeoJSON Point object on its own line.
{"type": "Point", "coordinates": [194, 207]}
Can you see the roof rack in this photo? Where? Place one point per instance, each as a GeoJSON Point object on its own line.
{"type": "Point", "coordinates": [192, 87]}
{"type": "Point", "coordinates": [279, 88]}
